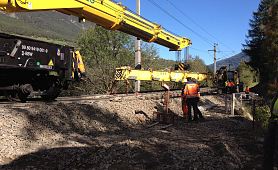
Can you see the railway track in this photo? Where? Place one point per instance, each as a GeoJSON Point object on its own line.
{"type": "Point", "coordinates": [90, 98]}
{"type": "Point", "coordinates": [81, 99]}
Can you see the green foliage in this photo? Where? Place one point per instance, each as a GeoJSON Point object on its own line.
{"type": "Point", "coordinates": [247, 74]}
{"type": "Point", "coordinates": [198, 65]}
{"type": "Point", "coordinates": [262, 45]}
{"type": "Point", "coordinates": [104, 51]}
{"type": "Point", "coordinates": [151, 59]}
{"type": "Point", "coordinates": [262, 115]}
{"type": "Point", "coordinates": [150, 85]}
{"type": "Point", "coordinates": [149, 56]}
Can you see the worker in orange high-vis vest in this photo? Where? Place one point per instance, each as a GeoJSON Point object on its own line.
{"type": "Point", "coordinates": [191, 96]}
{"type": "Point", "coordinates": [184, 106]}
{"type": "Point", "coordinates": [247, 91]}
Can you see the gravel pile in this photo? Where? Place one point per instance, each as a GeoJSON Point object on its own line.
{"type": "Point", "coordinates": [115, 134]}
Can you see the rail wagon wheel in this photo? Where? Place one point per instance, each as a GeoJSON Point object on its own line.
{"type": "Point", "coordinates": [51, 94]}
{"type": "Point", "coordinates": [219, 91]}
{"type": "Point", "coordinates": [24, 91]}
{"type": "Point", "coordinates": [22, 97]}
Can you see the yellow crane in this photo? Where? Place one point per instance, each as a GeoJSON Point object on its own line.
{"type": "Point", "coordinates": [106, 13]}
{"type": "Point", "coordinates": [126, 73]}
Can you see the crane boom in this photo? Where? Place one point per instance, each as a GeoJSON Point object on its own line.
{"type": "Point", "coordinates": [106, 13]}
{"type": "Point", "coordinates": [126, 73]}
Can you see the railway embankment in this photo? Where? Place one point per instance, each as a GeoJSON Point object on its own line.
{"type": "Point", "coordinates": [119, 133]}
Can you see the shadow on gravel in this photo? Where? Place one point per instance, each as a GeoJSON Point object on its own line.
{"type": "Point", "coordinates": [175, 119]}
{"type": "Point", "coordinates": [113, 157]}
{"type": "Point", "coordinates": [206, 102]}
{"type": "Point", "coordinates": [143, 113]}
{"type": "Point", "coordinates": [76, 122]}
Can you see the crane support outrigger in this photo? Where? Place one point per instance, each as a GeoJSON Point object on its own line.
{"type": "Point", "coordinates": [106, 13]}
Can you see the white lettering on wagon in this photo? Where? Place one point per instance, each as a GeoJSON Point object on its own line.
{"type": "Point", "coordinates": [28, 50]}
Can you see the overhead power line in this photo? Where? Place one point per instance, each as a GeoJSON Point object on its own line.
{"type": "Point", "coordinates": [200, 50]}
{"type": "Point", "coordinates": [184, 25]}
{"type": "Point", "coordinates": [198, 25]}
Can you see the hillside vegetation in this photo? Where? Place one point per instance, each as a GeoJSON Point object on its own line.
{"type": "Point", "coordinates": [50, 25]}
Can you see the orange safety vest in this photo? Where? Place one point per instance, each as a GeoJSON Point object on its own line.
{"type": "Point", "coordinates": [247, 90]}
{"type": "Point", "coordinates": [230, 84]}
{"type": "Point", "coordinates": [191, 90]}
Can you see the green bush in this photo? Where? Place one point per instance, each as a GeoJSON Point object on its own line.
{"type": "Point", "coordinates": [262, 115]}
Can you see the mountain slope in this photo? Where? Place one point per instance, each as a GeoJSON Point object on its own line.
{"type": "Point", "coordinates": [50, 24]}
{"type": "Point", "coordinates": [232, 61]}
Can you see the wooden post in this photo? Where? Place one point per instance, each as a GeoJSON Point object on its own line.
{"type": "Point", "coordinates": [240, 99]}
{"type": "Point", "coordinates": [167, 100]}
{"type": "Point", "coordinates": [226, 103]}
{"type": "Point", "coordinates": [126, 88]}
{"type": "Point", "coordinates": [233, 104]}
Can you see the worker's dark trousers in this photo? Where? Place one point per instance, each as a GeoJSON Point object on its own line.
{"type": "Point", "coordinates": [271, 146]}
{"type": "Point", "coordinates": [193, 102]}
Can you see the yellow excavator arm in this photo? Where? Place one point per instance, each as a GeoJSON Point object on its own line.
{"type": "Point", "coordinates": [106, 13]}
{"type": "Point", "coordinates": [126, 73]}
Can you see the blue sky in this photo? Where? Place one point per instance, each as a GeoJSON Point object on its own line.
{"type": "Point", "coordinates": [226, 21]}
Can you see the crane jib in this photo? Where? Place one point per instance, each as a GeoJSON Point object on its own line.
{"type": "Point", "coordinates": [105, 13]}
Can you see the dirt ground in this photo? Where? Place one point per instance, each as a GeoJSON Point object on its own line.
{"type": "Point", "coordinates": [116, 134]}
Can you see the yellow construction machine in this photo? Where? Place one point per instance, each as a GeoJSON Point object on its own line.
{"type": "Point", "coordinates": [126, 73]}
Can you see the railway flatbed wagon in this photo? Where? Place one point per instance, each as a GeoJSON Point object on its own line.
{"type": "Point", "coordinates": [28, 65]}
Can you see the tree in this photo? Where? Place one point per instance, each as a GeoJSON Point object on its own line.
{"type": "Point", "coordinates": [149, 56]}
{"type": "Point", "coordinates": [261, 44]}
{"type": "Point", "coordinates": [103, 52]}
{"type": "Point", "coordinates": [198, 65]}
{"type": "Point", "coordinates": [246, 73]}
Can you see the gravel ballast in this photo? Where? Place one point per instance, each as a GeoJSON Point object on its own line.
{"type": "Point", "coordinates": [115, 134]}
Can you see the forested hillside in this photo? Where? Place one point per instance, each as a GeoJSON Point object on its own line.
{"type": "Point", "coordinates": [50, 25]}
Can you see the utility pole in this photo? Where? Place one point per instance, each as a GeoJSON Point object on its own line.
{"type": "Point", "coordinates": [178, 56]}
{"type": "Point", "coordinates": [186, 55]}
{"type": "Point", "coordinates": [137, 51]}
{"type": "Point", "coordinates": [214, 58]}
